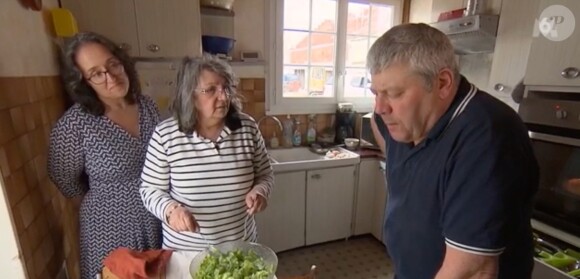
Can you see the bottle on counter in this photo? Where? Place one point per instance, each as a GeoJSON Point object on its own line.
{"type": "Point", "coordinates": [287, 133]}
{"type": "Point", "coordinates": [311, 133]}
{"type": "Point", "coordinates": [297, 136]}
{"type": "Point", "coordinates": [274, 141]}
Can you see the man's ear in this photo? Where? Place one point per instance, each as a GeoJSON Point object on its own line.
{"type": "Point", "coordinates": [445, 84]}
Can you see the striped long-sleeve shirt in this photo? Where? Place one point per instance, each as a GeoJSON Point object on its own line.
{"type": "Point", "coordinates": [211, 179]}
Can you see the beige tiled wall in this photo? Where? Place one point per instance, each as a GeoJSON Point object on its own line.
{"type": "Point", "coordinates": [45, 222]}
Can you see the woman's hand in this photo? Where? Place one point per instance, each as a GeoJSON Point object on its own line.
{"type": "Point", "coordinates": [180, 219]}
{"type": "Point", "coordinates": [255, 202]}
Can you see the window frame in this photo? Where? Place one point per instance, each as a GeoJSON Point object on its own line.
{"type": "Point", "coordinates": [276, 103]}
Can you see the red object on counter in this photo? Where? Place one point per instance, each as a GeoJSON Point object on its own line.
{"type": "Point", "coordinates": [451, 14]}
{"type": "Point", "coordinates": [129, 264]}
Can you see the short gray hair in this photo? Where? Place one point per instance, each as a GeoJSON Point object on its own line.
{"type": "Point", "coordinates": [426, 49]}
{"type": "Point", "coordinates": [183, 106]}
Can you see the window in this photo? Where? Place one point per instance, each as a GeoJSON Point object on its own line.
{"type": "Point", "coordinates": [318, 54]}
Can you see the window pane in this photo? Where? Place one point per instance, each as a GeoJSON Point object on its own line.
{"type": "Point", "coordinates": [294, 81]}
{"type": "Point", "coordinates": [356, 50]}
{"type": "Point", "coordinates": [382, 19]}
{"type": "Point", "coordinates": [322, 48]}
{"type": "Point", "coordinates": [320, 83]}
{"type": "Point", "coordinates": [297, 14]}
{"type": "Point", "coordinates": [372, 40]}
{"type": "Point", "coordinates": [296, 47]}
{"type": "Point", "coordinates": [324, 16]}
{"type": "Point", "coordinates": [356, 83]}
{"type": "Point", "coordinates": [358, 19]}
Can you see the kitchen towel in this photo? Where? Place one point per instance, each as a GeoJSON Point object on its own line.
{"type": "Point", "coordinates": [130, 264]}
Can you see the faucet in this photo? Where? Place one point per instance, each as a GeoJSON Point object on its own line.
{"type": "Point", "coordinates": [274, 118]}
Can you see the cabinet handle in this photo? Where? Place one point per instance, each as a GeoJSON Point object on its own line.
{"type": "Point", "coordinates": [153, 48]}
{"type": "Point", "coordinates": [315, 176]}
{"type": "Point", "coordinates": [499, 87]}
{"type": "Point", "coordinates": [125, 46]}
{"type": "Point", "coordinates": [570, 73]}
{"type": "Point", "coordinates": [465, 24]}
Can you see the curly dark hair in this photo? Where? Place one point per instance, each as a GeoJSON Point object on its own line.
{"type": "Point", "coordinates": [78, 88]}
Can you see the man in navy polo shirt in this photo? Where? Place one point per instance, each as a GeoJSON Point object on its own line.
{"type": "Point", "coordinates": [460, 166]}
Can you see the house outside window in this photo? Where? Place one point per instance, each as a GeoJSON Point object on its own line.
{"type": "Point", "coordinates": [318, 52]}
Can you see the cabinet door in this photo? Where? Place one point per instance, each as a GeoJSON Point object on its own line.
{"type": "Point", "coordinates": [365, 196]}
{"type": "Point", "coordinates": [158, 80]}
{"type": "Point", "coordinates": [512, 47]}
{"type": "Point", "coordinates": [329, 200]}
{"type": "Point", "coordinates": [170, 28]}
{"type": "Point", "coordinates": [548, 57]}
{"type": "Point", "coordinates": [380, 203]}
{"type": "Point", "coordinates": [114, 19]}
{"type": "Point", "coordinates": [282, 225]}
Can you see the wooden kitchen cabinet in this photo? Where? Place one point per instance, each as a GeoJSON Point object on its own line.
{"type": "Point", "coordinates": [549, 58]}
{"type": "Point", "coordinates": [380, 203]}
{"type": "Point", "coordinates": [512, 47]}
{"type": "Point", "coordinates": [170, 28]}
{"type": "Point", "coordinates": [147, 28]}
{"type": "Point", "coordinates": [329, 204]}
{"type": "Point", "coordinates": [282, 225]}
{"type": "Point", "coordinates": [158, 81]}
{"type": "Point", "coordinates": [112, 18]}
{"type": "Point", "coordinates": [365, 196]}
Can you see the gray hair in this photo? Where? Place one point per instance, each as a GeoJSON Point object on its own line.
{"type": "Point", "coordinates": [426, 49]}
{"type": "Point", "coordinates": [183, 106]}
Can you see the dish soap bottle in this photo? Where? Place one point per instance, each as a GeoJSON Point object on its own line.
{"type": "Point", "coordinates": [311, 133]}
{"type": "Point", "coordinates": [287, 133]}
{"type": "Point", "coordinates": [297, 136]}
{"type": "Point", "coordinates": [274, 141]}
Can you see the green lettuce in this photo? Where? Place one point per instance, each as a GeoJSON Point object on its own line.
{"type": "Point", "coordinates": [236, 264]}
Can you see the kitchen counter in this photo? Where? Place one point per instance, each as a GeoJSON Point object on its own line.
{"type": "Point", "coordinates": [369, 153]}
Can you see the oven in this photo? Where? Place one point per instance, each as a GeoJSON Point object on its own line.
{"type": "Point", "coordinates": [553, 120]}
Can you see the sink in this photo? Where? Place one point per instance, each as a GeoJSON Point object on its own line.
{"type": "Point", "coordinates": [301, 158]}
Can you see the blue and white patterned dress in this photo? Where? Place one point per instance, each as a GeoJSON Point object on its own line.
{"type": "Point", "coordinates": [112, 213]}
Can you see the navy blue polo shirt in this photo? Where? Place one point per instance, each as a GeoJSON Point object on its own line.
{"type": "Point", "coordinates": [468, 185]}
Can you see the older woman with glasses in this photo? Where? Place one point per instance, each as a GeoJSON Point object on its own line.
{"type": "Point", "coordinates": [97, 150]}
{"type": "Point", "coordinates": [207, 170]}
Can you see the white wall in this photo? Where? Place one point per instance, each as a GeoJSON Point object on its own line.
{"type": "Point", "coordinates": [420, 11]}
{"type": "Point", "coordinates": [10, 263]}
{"type": "Point", "coordinates": [26, 46]}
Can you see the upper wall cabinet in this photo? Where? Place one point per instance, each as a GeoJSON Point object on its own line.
{"type": "Point", "coordinates": [146, 28]}
{"type": "Point", "coordinates": [512, 46]}
{"type": "Point", "coordinates": [112, 18]}
{"type": "Point", "coordinates": [555, 53]}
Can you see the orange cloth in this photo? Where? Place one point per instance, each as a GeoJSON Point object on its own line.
{"type": "Point", "coordinates": [129, 264]}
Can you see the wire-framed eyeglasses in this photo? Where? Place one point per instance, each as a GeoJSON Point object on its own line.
{"type": "Point", "coordinates": [214, 91]}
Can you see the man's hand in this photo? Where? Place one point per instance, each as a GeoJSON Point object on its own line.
{"type": "Point", "coordinates": [255, 202]}
{"type": "Point", "coordinates": [180, 219]}
{"type": "Point", "coordinates": [463, 265]}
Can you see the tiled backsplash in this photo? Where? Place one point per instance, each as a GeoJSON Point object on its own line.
{"type": "Point", "coordinates": [46, 223]}
{"type": "Point", "coordinates": [253, 90]}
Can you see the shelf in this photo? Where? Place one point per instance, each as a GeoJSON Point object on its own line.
{"type": "Point", "coordinates": [216, 12]}
{"type": "Point", "coordinates": [247, 63]}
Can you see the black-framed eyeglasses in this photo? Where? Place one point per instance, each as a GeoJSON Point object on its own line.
{"type": "Point", "coordinates": [100, 77]}
{"type": "Point", "coordinates": [214, 90]}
